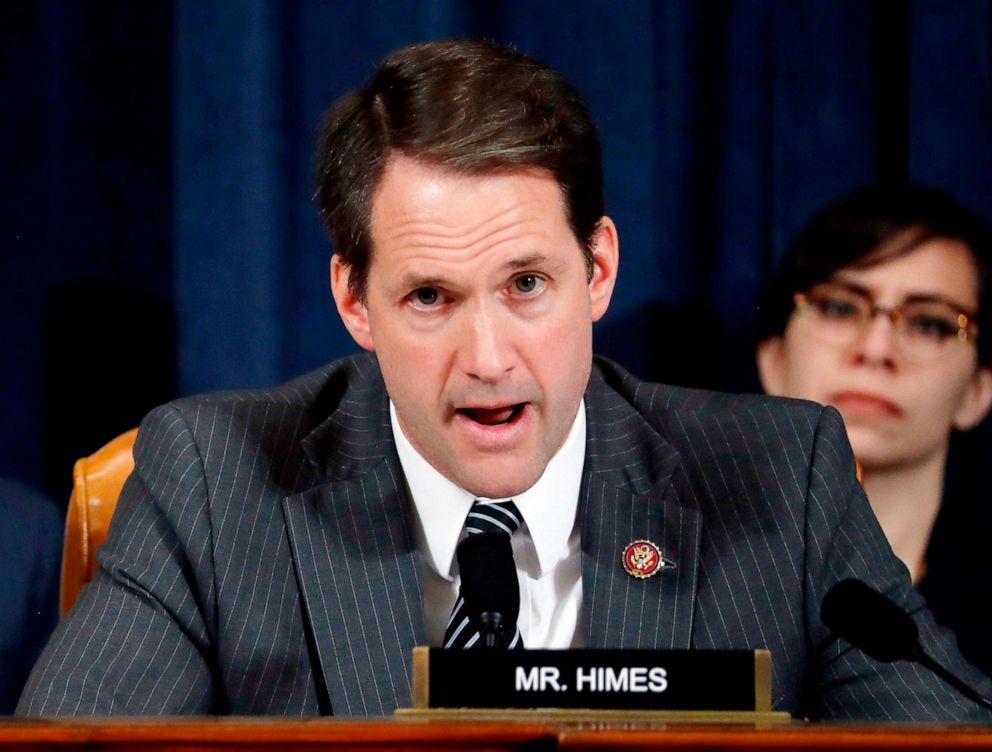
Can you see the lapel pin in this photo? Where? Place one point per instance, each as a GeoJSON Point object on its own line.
{"type": "Point", "coordinates": [642, 559]}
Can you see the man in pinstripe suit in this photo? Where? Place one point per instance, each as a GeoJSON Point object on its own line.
{"type": "Point", "coordinates": [281, 551]}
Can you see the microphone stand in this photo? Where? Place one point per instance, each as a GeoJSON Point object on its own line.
{"type": "Point", "coordinates": [966, 689]}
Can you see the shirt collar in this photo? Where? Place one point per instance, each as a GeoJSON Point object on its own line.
{"type": "Point", "coordinates": [548, 507]}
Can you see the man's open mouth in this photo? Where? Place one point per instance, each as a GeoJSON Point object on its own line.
{"type": "Point", "coordinates": [493, 416]}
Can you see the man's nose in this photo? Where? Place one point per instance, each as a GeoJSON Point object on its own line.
{"type": "Point", "coordinates": [487, 352]}
{"type": "Point", "coordinates": [876, 343]}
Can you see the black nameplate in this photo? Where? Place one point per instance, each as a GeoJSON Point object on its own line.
{"type": "Point", "coordinates": [722, 680]}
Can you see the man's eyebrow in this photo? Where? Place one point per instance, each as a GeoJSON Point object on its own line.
{"type": "Point", "coordinates": [533, 259]}
{"type": "Point", "coordinates": [415, 280]}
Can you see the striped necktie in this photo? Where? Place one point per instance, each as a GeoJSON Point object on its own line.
{"type": "Point", "coordinates": [500, 517]}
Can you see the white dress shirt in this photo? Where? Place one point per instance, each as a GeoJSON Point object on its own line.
{"type": "Point", "coordinates": [545, 548]}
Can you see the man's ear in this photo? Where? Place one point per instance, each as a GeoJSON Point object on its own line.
{"type": "Point", "coordinates": [976, 401]}
{"type": "Point", "coordinates": [353, 312]}
{"type": "Point", "coordinates": [605, 260]}
{"type": "Point", "coordinates": [771, 365]}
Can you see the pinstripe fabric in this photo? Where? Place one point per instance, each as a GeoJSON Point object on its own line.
{"type": "Point", "coordinates": [756, 502]}
{"type": "Point", "coordinates": [261, 559]}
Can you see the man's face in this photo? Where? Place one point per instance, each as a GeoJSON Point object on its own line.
{"type": "Point", "coordinates": [480, 312]}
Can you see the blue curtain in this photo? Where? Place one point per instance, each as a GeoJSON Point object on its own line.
{"type": "Point", "coordinates": [724, 125]}
{"type": "Point", "coordinates": [159, 232]}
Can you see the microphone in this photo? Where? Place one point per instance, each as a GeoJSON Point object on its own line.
{"type": "Point", "coordinates": [871, 622]}
{"type": "Point", "coordinates": [489, 586]}
{"type": "Point", "coordinates": [880, 628]}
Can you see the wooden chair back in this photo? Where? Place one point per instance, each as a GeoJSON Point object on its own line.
{"type": "Point", "coordinates": [96, 483]}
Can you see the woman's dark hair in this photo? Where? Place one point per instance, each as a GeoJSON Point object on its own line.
{"type": "Point", "coordinates": [470, 106]}
{"type": "Point", "coordinates": [867, 227]}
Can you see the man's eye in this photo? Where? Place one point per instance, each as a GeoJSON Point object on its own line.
{"type": "Point", "coordinates": [528, 284]}
{"type": "Point", "coordinates": [426, 296]}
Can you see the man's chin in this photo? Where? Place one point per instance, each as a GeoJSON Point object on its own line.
{"type": "Point", "coordinates": [492, 483]}
{"type": "Point", "coordinates": [498, 490]}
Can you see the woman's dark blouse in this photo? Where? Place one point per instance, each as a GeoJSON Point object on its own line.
{"type": "Point", "coordinates": [958, 580]}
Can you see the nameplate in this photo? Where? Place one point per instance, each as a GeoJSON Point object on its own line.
{"type": "Point", "coordinates": [711, 680]}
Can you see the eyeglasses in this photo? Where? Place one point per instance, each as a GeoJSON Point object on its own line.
{"type": "Point", "coordinates": [924, 329]}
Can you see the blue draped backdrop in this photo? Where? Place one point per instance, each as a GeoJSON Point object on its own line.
{"type": "Point", "coordinates": [159, 236]}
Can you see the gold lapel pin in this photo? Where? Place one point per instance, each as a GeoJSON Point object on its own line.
{"type": "Point", "coordinates": [642, 559]}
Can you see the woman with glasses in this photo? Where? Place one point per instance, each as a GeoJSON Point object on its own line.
{"type": "Point", "coordinates": [880, 310]}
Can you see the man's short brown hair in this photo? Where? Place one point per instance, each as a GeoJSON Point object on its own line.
{"type": "Point", "coordinates": [471, 106]}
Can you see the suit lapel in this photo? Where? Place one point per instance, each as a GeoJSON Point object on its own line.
{"type": "Point", "coordinates": [355, 562]}
{"type": "Point", "coordinates": [627, 495]}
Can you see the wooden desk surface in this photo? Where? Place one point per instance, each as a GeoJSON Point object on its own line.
{"type": "Point", "coordinates": [263, 734]}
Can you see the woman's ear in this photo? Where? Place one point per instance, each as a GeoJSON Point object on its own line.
{"type": "Point", "coordinates": [353, 312]}
{"type": "Point", "coordinates": [771, 365]}
{"type": "Point", "coordinates": [976, 400]}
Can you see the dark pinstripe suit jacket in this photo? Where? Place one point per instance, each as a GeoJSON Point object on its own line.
{"type": "Point", "coordinates": [261, 560]}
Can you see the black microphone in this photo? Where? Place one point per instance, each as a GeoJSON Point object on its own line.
{"type": "Point", "coordinates": [870, 621]}
{"type": "Point", "coordinates": [880, 628]}
{"type": "Point", "coordinates": [490, 587]}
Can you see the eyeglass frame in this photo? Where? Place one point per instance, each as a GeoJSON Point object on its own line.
{"type": "Point", "coordinates": [967, 326]}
